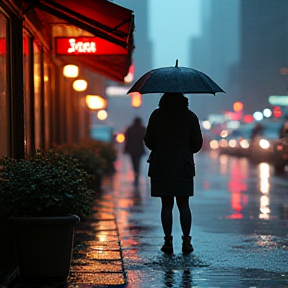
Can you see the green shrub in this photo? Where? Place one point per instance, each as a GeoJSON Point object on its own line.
{"type": "Point", "coordinates": [105, 150]}
{"type": "Point", "coordinates": [91, 162]}
{"type": "Point", "coordinates": [49, 184]}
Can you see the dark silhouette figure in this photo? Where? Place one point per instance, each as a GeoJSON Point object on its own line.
{"type": "Point", "coordinates": [134, 145]}
{"type": "Point", "coordinates": [284, 129]}
{"type": "Point", "coordinates": [257, 131]}
{"type": "Point", "coordinates": [174, 135]}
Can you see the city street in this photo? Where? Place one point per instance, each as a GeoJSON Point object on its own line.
{"type": "Point", "coordinates": [240, 221]}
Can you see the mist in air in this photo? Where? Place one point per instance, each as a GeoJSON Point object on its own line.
{"type": "Point", "coordinates": [241, 45]}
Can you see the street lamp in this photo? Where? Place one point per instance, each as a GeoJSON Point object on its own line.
{"type": "Point", "coordinates": [238, 106]}
{"type": "Point", "coordinates": [71, 71]}
{"type": "Point", "coordinates": [130, 76]}
{"type": "Point", "coordinates": [96, 102]}
{"type": "Point", "coordinates": [80, 85]}
{"type": "Point", "coordinates": [136, 99]}
{"type": "Point", "coordinates": [102, 115]}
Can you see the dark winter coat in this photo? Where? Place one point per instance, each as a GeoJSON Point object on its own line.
{"type": "Point", "coordinates": [173, 134]}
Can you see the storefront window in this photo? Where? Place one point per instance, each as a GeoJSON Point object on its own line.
{"type": "Point", "coordinates": [27, 96]}
{"type": "Point", "coordinates": [4, 103]}
{"type": "Point", "coordinates": [37, 95]}
{"type": "Point", "coordinates": [47, 101]}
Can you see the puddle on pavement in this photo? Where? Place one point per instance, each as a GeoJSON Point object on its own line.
{"type": "Point", "coordinates": [176, 262]}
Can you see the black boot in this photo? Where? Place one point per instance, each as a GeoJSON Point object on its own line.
{"type": "Point", "coordinates": [168, 245]}
{"type": "Point", "coordinates": [187, 246]}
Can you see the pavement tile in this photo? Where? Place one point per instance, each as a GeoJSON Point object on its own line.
{"type": "Point", "coordinates": [104, 255]}
{"type": "Point", "coordinates": [88, 265]}
{"type": "Point", "coordinates": [95, 279]}
{"type": "Point", "coordinates": [101, 245]}
{"type": "Point", "coordinates": [97, 256]}
{"type": "Point", "coordinates": [103, 216]}
{"type": "Point", "coordinates": [108, 233]}
{"type": "Point", "coordinates": [105, 237]}
{"type": "Point", "coordinates": [97, 237]}
{"type": "Point", "coordinates": [105, 203]}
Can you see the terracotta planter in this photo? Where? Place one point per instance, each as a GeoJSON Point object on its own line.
{"type": "Point", "coordinates": [44, 247]}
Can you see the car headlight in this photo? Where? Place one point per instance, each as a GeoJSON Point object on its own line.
{"type": "Point", "coordinates": [214, 144]}
{"type": "Point", "coordinates": [232, 143]}
{"type": "Point", "coordinates": [244, 143]}
{"type": "Point", "coordinates": [264, 144]}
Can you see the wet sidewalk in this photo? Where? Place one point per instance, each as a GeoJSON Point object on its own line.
{"type": "Point", "coordinates": [97, 256]}
{"type": "Point", "coordinates": [119, 245]}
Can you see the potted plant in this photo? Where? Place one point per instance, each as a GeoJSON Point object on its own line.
{"type": "Point", "coordinates": [42, 198]}
{"type": "Point", "coordinates": [93, 163]}
{"type": "Point", "coordinates": [106, 150]}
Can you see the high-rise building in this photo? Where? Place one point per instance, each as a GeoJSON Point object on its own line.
{"type": "Point", "coordinates": [215, 52]}
{"type": "Point", "coordinates": [263, 67]}
{"type": "Point", "coordinates": [120, 111]}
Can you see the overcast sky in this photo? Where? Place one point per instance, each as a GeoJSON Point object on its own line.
{"type": "Point", "coordinates": [174, 23]}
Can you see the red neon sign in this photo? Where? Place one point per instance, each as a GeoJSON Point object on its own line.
{"type": "Point", "coordinates": [87, 46]}
{"type": "Point", "coordinates": [3, 46]}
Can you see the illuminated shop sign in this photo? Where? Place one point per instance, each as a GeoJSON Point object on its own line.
{"type": "Point", "coordinates": [278, 100]}
{"type": "Point", "coordinates": [87, 46]}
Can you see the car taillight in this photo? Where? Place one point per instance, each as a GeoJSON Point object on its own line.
{"type": "Point", "coordinates": [279, 148]}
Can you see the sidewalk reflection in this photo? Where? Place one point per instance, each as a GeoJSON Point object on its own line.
{"type": "Point", "coordinates": [264, 175]}
{"type": "Point", "coordinates": [236, 186]}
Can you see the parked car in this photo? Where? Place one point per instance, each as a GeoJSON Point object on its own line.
{"type": "Point", "coordinates": [237, 141]}
{"type": "Point", "coordinates": [280, 154]}
{"type": "Point", "coordinates": [261, 145]}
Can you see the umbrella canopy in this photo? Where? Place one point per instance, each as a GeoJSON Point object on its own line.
{"type": "Point", "coordinates": [175, 79]}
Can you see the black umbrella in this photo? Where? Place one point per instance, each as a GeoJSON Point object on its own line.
{"type": "Point", "coordinates": [175, 79]}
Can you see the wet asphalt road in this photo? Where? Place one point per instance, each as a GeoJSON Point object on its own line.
{"type": "Point", "coordinates": [240, 227]}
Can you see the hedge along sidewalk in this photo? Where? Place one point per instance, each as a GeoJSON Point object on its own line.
{"type": "Point", "coordinates": [97, 255]}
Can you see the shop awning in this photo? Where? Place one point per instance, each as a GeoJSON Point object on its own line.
{"type": "Point", "coordinates": [96, 54]}
{"type": "Point", "coordinates": [113, 67]}
{"type": "Point", "coordinates": [101, 18]}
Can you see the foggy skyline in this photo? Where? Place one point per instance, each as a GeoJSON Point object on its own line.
{"type": "Point", "coordinates": [171, 25]}
{"type": "Point", "coordinates": [241, 49]}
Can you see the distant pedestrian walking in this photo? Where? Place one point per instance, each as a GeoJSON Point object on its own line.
{"type": "Point", "coordinates": [257, 131]}
{"type": "Point", "coordinates": [134, 145]}
{"type": "Point", "coordinates": [173, 134]}
{"type": "Point", "coordinates": [284, 128]}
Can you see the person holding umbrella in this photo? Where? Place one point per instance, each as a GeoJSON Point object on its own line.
{"type": "Point", "coordinates": [173, 135]}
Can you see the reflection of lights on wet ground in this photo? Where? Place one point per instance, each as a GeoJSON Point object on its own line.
{"type": "Point", "coordinates": [264, 173]}
{"type": "Point", "coordinates": [102, 238]}
{"type": "Point", "coordinates": [214, 154]}
{"type": "Point", "coordinates": [224, 164]}
{"type": "Point", "coordinates": [266, 241]}
{"type": "Point", "coordinates": [223, 159]}
{"type": "Point", "coordinates": [236, 187]}
{"type": "Point", "coordinates": [264, 207]}
{"type": "Point", "coordinates": [264, 170]}
{"type": "Point", "coordinates": [264, 177]}
{"type": "Point", "coordinates": [206, 185]}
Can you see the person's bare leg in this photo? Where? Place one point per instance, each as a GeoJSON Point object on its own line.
{"type": "Point", "coordinates": [186, 222]}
